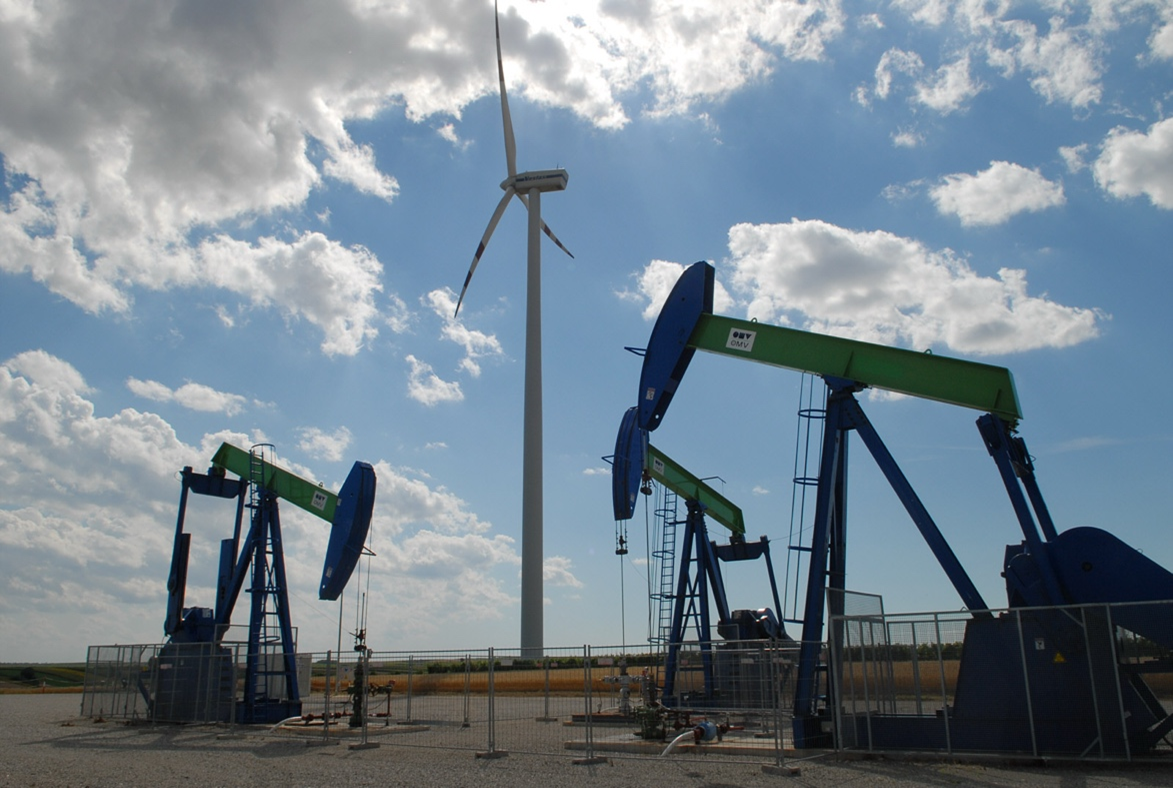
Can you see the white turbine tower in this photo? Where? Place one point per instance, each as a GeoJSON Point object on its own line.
{"type": "Point", "coordinates": [527, 187]}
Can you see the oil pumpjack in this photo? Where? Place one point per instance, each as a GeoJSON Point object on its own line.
{"type": "Point", "coordinates": [197, 670]}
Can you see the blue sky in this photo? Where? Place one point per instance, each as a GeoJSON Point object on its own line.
{"type": "Point", "coordinates": [251, 225]}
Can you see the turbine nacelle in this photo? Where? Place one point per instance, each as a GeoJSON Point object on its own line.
{"type": "Point", "coordinates": [542, 180]}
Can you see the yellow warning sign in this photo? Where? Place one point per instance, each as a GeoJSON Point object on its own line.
{"type": "Point", "coordinates": [1058, 660]}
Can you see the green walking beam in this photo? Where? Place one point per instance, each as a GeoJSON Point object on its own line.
{"type": "Point", "coordinates": [313, 498]}
{"type": "Point", "coordinates": [951, 380]}
{"type": "Point", "coordinates": [672, 475]}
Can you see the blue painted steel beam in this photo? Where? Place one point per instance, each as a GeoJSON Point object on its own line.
{"type": "Point", "coordinates": [828, 560]}
{"type": "Point", "coordinates": [268, 586]}
{"type": "Point", "coordinates": [692, 597]}
{"type": "Point", "coordinates": [997, 438]}
{"type": "Point", "coordinates": [177, 578]}
{"type": "Point", "coordinates": [920, 517]}
{"type": "Point", "coordinates": [215, 485]}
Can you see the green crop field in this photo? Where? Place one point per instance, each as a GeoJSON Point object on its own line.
{"type": "Point", "coordinates": [67, 677]}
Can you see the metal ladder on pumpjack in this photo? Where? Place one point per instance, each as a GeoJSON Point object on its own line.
{"type": "Point", "coordinates": [808, 416]}
{"type": "Point", "coordinates": [670, 519]}
{"type": "Point", "coordinates": [665, 559]}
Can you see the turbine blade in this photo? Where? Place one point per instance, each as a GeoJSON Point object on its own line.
{"type": "Point", "coordinates": [545, 227]}
{"type": "Point", "coordinates": [506, 121]}
{"type": "Point", "coordinates": [476, 258]}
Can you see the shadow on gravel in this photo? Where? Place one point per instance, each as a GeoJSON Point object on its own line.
{"type": "Point", "coordinates": [281, 749]}
{"type": "Point", "coordinates": [120, 737]}
{"type": "Point", "coordinates": [952, 773]}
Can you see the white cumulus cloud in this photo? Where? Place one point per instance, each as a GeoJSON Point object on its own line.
{"type": "Point", "coordinates": [323, 445]}
{"type": "Point", "coordinates": [426, 387]}
{"type": "Point", "coordinates": [477, 344]}
{"type": "Point", "coordinates": [557, 570]}
{"type": "Point", "coordinates": [1133, 163]}
{"type": "Point", "coordinates": [195, 396]}
{"type": "Point", "coordinates": [994, 195]}
{"type": "Point", "coordinates": [949, 88]}
{"type": "Point", "coordinates": [885, 288]}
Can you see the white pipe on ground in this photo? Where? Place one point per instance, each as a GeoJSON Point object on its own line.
{"type": "Point", "coordinates": [687, 734]}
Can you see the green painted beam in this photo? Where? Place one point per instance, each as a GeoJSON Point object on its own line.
{"type": "Point", "coordinates": [673, 476]}
{"type": "Point", "coordinates": [955, 381]}
{"type": "Point", "coordinates": [314, 498]}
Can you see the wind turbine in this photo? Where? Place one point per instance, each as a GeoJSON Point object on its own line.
{"type": "Point", "coordinates": [527, 187]}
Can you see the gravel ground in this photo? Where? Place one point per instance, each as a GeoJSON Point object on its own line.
{"type": "Point", "coordinates": [44, 743]}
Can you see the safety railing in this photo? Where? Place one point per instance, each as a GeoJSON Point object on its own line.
{"type": "Point", "coordinates": [1076, 681]}
{"type": "Point", "coordinates": [585, 702]}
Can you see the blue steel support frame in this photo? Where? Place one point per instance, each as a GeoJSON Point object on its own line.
{"type": "Point", "coordinates": [281, 600]}
{"type": "Point", "coordinates": [226, 590]}
{"type": "Point", "coordinates": [924, 522]}
{"type": "Point", "coordinates": [177, 579]}
{"type": "Point", "coordinates": [692, 598]}
{"type": "Point", "coordinates": [255, 660]}
{"type": "Point", "coordinates": [829, 526]}
{"type": "Point", "coordinates": [212, 485]}
{"type": "Point", "coordinates": [264, 546]}
{"type": "Point", "coordinates": [828, 559]}
{"type": "Point", "coordinates": [1017, 471]}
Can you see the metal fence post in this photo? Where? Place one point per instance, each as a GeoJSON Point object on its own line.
{"type": "Point", "coordinates": [492, 752]}
{"type": "Point", "coordinates": [776, 691]}
{"type": "Point", "coordinates": [1030, 714]}
{"type": "Point", "coordinates": [1119, 696]}
{"type": "Point", "coordinates": [158, 680]}
{"type": "Point", "coordinates": [590, 758]}
{"type": "Point", "coordinates": [410, 673]}
{"type": "Point", "coordinates": [1092, 683]}
{"type": "Point", "coordinates": [467, 689]}
{"type": "Point", "coordinates": [779, 766]}
{"type": "Point", "coordinates": [546, 707]}
{"type": "Point", "coordinates": [916, 671]}
{"type": "Point", "coordinates": [492, 701]}
{"type": "Point", "coordinates": [588, 693]}
{"type": "Point", "coordinates": [944, 690]}
{"type": "Point", "coordinates": [326, 702]}
{"type": "Point", "coordinates": [863, 674]}
{"type": "Point", "coordinates": [232, 704]}
{"type": "Point", "coordinates": [841, 663]}
{"type": "Point", "coordinates": [88, 689]}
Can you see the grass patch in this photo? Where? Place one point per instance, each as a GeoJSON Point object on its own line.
{"type": "Point", "coordinates": [25, 678]}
